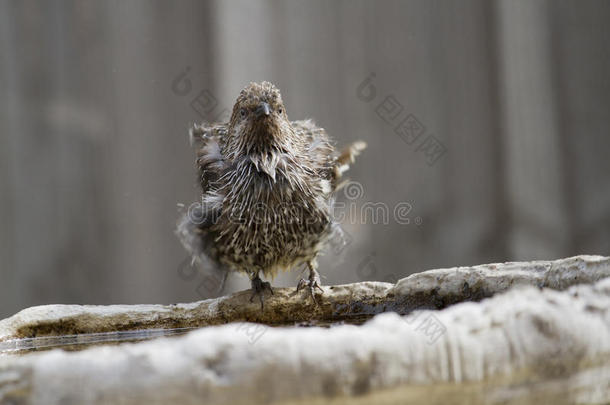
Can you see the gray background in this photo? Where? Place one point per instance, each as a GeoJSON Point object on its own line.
{"type": "Point", "coordinates": [94, 154]}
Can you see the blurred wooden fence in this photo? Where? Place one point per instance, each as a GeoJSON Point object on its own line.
{"type": "Point", "coordinates": [94, 155]}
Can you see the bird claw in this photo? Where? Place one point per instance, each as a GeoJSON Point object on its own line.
{"type": "Point", "coordinates": [258, 288]}
{"type": "Point", "coordinates": [312, 283]}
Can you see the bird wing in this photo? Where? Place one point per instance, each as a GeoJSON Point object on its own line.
{"type": "Point", "coordinates": [194, 234]}
{"type": "Point", "coordinates": [345, 158]}
{"type": "Point", "coordinates": [329, 164]}
{"type": "Point", "coordinates": [207, 139]}
{"type": "Point", "coordinates": [193, 227]}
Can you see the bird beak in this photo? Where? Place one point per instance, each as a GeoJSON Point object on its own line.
{"type": "Point", "coordinates": [263, 108]}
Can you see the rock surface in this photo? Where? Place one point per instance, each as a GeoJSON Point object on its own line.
{"type": "Point", "coordinates": [526, 345]}
{"type": "Point", "coordinates": [433, 289]}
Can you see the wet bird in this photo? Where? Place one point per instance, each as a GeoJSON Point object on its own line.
{"type": "Point", "coordinates": [268, 188]}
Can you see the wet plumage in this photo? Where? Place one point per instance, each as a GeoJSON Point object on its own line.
{"type": "Point", "coordinates": [267, 190]}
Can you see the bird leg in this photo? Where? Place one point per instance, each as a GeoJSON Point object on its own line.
{"type": "Point", "coordinates": [313, 282]}
{"type": "Point", "coordinates": [258, 288]}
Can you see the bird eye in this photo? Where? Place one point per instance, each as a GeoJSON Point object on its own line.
{"type": "Point", "coordinates": [242, 112]}
{"type": "Point", "coordinates": [279, 110]}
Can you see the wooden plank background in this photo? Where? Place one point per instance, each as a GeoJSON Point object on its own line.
{"type": "Point", "coordinates": [94, 155]}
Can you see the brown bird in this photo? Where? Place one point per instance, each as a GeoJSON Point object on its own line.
{"type": "Point", "coordinates": [268, 186]}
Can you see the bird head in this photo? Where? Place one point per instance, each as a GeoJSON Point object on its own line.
{"type": "Point", "coordinates": [259, 122]}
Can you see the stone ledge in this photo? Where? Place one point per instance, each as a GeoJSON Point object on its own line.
{"type": "Point", "coordinates": [433, 289]}
{"type": "Point", "coordinates": [527, 345]}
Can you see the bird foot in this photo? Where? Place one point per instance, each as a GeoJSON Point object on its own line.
{"type": "Point", "coordinates": [311, 284]}
{"type": "Point", "coordinates": [258, 288]}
